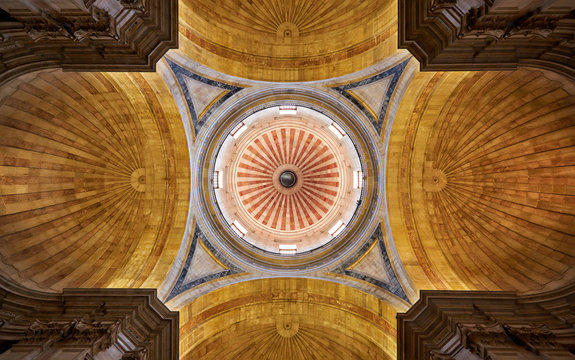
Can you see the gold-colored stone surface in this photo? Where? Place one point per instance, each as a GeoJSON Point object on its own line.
{"type": "Point", "coordinates": [288, 40]}
{"type": "Point", "coordinates": [285, 318]}
{"type": "Point", "coordinates": [94, 180]}
{"type": "Point", "coordinates": [480, 180]}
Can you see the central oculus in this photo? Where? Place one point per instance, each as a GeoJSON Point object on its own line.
{"type": "Point", "coordinates": [288, 179]}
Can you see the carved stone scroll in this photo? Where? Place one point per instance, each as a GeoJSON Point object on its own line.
{"type": "Point", "coordinates": [92, 323]}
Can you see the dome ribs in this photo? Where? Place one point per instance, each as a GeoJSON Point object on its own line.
{"type": "Point", "coordinates": [90, 180]}
{"type": "Point", "coordinates": [490, 170]}
{"type": "Point", "coordinates": [266, 157]}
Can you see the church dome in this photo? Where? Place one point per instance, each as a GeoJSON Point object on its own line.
{"type": "Point", "coordinates": [323, 152]}
{"type": "Point", "coordinates": [286, 181]}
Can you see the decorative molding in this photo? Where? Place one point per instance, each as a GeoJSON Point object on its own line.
{"type": "Point", "coordinates": [132, 322]}
{"type": "Point", "coordinates": [442, 4]}
{"type": "Point", "coordinates": [105, 35]}
{"type": "Point", "coordinates": [478, 23]}
{"type": "Point", "coordinates": [478, 339]}
{"type": "Point", "coordinates": [447, 35]}
{"type": "Point", "coordinates": [200, 119]}
{"type": "Point", "coordinates": [393, 286]}
{"type": "Point", "coordinates": [133, 4]}
{"type": "Point", "coordinates": [97, 24]}
{"type": "Point", "coordinates": [488, 325]}
{"type": "Point", "coordinates": [135, 355]}
{"type": "Point", "coordinates": [182, 285]}
{"type": "Point", "coordinates": [395, 73]}
{"type": "Point", "coordinates": [96, 334]}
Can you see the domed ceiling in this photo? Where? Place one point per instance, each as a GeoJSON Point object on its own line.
{"type": "Point", "coordinates": [94, 180]}
{"type": "Point", "coordinates": [288, 40]}
{"type": "Point", "coordinates": [480, 191]}
{"type": "Point", "coordinates": [287, 180]}
{"type": "Point", "coordinates": [304, 181]}
{"type": "Point", "coordinates": [113, 179]}
{"type": "Point", "coordinates": [287, 319]}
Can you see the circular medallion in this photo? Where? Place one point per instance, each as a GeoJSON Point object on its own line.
{"type": "Point", "coordinates": [284, 183]}
{"type": "Point", "coordinates": [288, 178]}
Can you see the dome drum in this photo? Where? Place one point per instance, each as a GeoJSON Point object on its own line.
{"type": "Point", "coordinates": [311, 233]}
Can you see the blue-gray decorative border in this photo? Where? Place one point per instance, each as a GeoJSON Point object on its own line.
{"type": "Point", "coordinates": [180, 73]}
{"type": "Point", "coordinates": [180, 286]}
{"type": "Point", "coordinates": [396, 72]}
{"type": "Point", "coordinates": [393, 286]}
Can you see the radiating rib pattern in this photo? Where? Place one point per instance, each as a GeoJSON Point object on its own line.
{"type": "Point", "coordinates": [88, 189]}
{"type": "Point", "coordinates": [318, 182]}
{"type": "Point", "coordinates": [497, 195]}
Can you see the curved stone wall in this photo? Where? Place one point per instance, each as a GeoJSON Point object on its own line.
{"type": "Point", "coordinates": [94, 180]}
{"type": "Point", "coordinates": [480, 191]}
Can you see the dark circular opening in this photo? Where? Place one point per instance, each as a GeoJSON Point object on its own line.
{"type": "Point", "coordinates": [288, 179]}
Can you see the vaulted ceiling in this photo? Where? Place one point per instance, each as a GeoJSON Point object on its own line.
{"type": "Point", "coordinates": [281, 318]}
{"type": "Point", "coordinates": [105, 177]}
{"type": "Point", "coordinates": [94, 181]}
{"type": "Point", "coordinates": [480, 180]}
{"type": "Point", "coordinates": [288, 40]}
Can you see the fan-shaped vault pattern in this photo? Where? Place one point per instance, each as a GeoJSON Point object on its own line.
{"type": "Point", "coordinates": [94, 180]}
{"type": "Point", "coordinates": [481, 193]}
{"type": "Point", "coordinates": [268, 342]}
{"type": "Point", "coordinates": [283, 318]}
{"type": "Point", "coordinates": [317, 179]}
{"type": "Point", "coordinates": [288, 40]}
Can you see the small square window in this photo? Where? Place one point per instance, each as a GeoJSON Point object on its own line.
{"type": "Point", "coordinates": [218, 179]}
{"type": "Point", "coordinates": [288, 249]}
{"type": "Point", "coordinates": [238, 228]}
{"type": "Point", "coordinates": [337, 130]}
{"type": "Point", "coordinates": [357, 179]}
{"type": "Point", "coordinates": [288, 110]}
{"type": "Point", "coordinates": [337, 228]}
{"type": "Point", "coordinates": [238, 130]}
